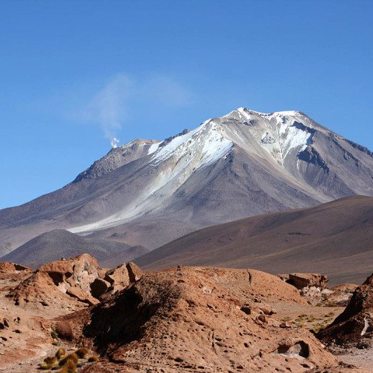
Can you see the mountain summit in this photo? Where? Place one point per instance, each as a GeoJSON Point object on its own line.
{"type": "Point", "coordinates": [241, 164]}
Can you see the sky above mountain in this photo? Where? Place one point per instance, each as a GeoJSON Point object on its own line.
{"type": "Point", "coordinates": [76, 75]}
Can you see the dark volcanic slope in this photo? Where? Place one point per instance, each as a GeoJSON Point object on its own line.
{"type": "Point", "coordinates": [335, 238]}
{"type": "Point", "coordinates": [60, 243]}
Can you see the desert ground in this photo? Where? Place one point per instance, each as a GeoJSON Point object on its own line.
{"type": "Point", "coordinates": [184, 319]}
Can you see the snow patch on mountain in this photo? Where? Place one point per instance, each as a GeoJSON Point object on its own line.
{"type": "Point", "coordinates": [206, 144]}
{"type": "Point", "coordinates": [177, 146]}
{"type": "Point", "coordinates": [215, 145]}
{"type": "Point", "coordinates": [284, 135]}
{"type": "Point", "coordinates": [153, 148]}
{"type": "Point", "coordinates": [295, 138]}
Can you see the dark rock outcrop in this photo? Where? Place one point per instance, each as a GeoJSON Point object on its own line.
{"type": "Point", "coordinates": [354, 326]}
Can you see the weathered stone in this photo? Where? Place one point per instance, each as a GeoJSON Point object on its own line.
{"type": "Point", "coordinates": [59, 282]}
{"type": "Point", "coordinates": [302, 280]}
{"type": "Point", "coordinates": [81, 295]}
{"type": "Point", "coordinates": [118, 278]}
{"type": "Point", "coordinates": [246, 309]}
{"type": "Point", "coordinates": [134, 272]}
{"type": "Point", "coordinates": [294, 348]}
{"type": "Point", "coordinates": [80, 271]}
{"type": "Point", "coordinates": [64, 330]}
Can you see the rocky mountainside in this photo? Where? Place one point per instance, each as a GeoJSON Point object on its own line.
{"type": "Point", "coordinates": [242, 164]}
{"type": "Point", "coordinates": [334, 238]}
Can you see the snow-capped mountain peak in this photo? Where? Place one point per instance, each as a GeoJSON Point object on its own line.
{"type": "Point", "coordinates": [243, 163]}
{"type": "Point", "coordinates": [277, 133]}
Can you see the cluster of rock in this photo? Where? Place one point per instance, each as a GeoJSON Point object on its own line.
{"type": "Point", "coordinates": [354, 326]}
{"type": "Point", "coordinates": [314, 287]}
{"type": "Point", "coordinates": [184, 319]}
{"type": "Point", "coordinates": [115, 280]}
{"type": "Point", "coordinates": [73, 282]}
{"type": "Point", "coordinates": [200, 319]}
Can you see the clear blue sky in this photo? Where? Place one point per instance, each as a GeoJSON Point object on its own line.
{"type": "Point", "coordinates": [75, 73]}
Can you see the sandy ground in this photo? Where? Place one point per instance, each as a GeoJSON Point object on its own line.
{"type": "Point", "coordinates": [360, 358]}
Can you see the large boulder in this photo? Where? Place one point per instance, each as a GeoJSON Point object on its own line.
{"type": "Point", "coordinates": [303, 280]}
{"type": "Point", "coordinates": [118, 278]}
{"type": "Point", "coordinates": [134, 272]}
{"type": "Point", "coordinates": [80, 271]}
{"type": "Point", "coordinates": [122, 276]}
{"type": "Point", "coordinates": [354, 326]}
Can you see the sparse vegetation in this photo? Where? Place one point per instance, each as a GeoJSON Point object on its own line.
{"type": "Point", "coordinates": [311, 322]}
{"type": "Point", "coordinates": [61, 352]}
{"type": "Point", "coordinates": [68, 363]}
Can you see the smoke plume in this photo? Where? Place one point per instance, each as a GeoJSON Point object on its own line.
{"type": "Point", "coordinates": [121, 99]}
{"type": "Point", "coordinates": [108, 107]}
{"type": "Point", "coordinates": [114, 142]}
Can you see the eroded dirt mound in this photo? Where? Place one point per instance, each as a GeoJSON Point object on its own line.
{"type": "Point", "coordinates": [354, 326]}
{"type": "Point", "coordinates": [200, 319]}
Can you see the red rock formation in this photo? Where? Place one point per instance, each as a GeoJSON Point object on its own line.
{"type": "Point", "coordinates": [197, 319]}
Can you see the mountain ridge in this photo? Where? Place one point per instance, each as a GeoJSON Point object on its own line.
{"type": "Point", "coordinates": [333, 238]}
{"type": "Point", "coordinates": [150, 192]}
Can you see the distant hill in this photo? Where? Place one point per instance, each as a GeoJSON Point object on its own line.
{"type": "Point", "coordinates": [60, 243]}
{"type": "Point", "coordinates": [334, 238]}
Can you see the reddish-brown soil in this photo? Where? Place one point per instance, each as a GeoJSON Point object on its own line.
{"type": "Point", "coordinates": [181, 320]}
